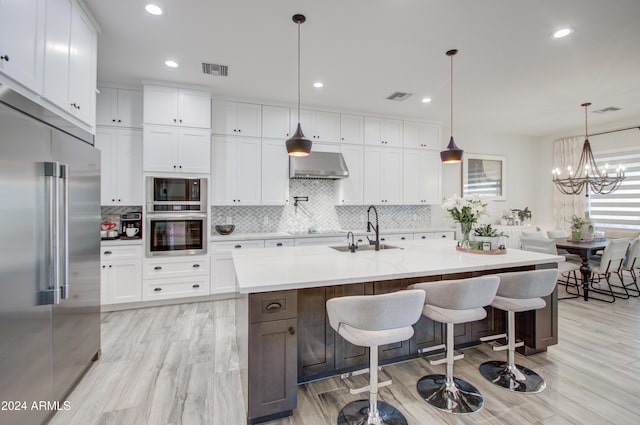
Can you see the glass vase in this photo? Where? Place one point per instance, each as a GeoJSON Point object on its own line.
{"type": "Point", "coordinates": [465, 231]}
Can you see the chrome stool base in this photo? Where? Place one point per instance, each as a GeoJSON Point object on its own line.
{"type": "Point", "coordinates": [460, 397]}
{"type": "Point", "coordinates": [357, 413]}
{"type": "Point", "coordinates": [519, 379]}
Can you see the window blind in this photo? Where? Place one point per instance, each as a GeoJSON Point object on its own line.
{"type": "Point", "coordinates": [620, 209]}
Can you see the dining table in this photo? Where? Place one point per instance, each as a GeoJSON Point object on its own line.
{"type": "Point", "coordinates": [586, 249]}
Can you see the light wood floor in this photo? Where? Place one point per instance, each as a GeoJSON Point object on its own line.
{"type": "Point", "coordinates": [178, 365]}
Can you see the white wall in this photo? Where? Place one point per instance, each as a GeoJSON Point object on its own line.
{"type": "Point", "coordinates": [620, 140]}
{"type": "Point", "coordinates": [522, 164]}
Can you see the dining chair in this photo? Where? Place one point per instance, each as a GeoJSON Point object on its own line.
{"type": "Point", "coordinates": [566, 269]}
{"type": "Point", "coordinates": [630, 264]}
{"type": "Point", "coordinates": [609, 264]}
{"type": "Point", "coordinates": [563, 234]}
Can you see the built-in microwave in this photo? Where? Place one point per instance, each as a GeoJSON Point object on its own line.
{"type": "Point", "coordinates": [176, 194]}
{"type": "Point", "coordinates": [176, 234]}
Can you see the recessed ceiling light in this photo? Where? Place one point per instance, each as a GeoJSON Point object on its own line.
{"type": "Point", "coordinates": [171, 64]}
{"type": "Point", "coordinates": [153, 9]}
{"type": "Point", "coordinates": [318, 84]}
{"type": "Point", "coordinates": [563, 32]}
{"type": "Point", "coordinates": [426, 100]}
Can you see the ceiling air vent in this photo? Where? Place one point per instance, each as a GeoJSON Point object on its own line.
{"type": "Point", "coordinates": [399, 96]}
{"type": "Point", "coordinates": [215, 69]}
{"type": "Point", "coordinates": [605, 110]}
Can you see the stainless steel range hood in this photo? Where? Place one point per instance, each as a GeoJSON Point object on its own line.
{"type": "Point", "coordinates": [318, 165]}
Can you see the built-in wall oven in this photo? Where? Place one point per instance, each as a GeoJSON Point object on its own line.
{"type": "Point", "coordinates": [176, 216]}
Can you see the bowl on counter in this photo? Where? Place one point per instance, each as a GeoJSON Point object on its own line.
{"type": "Point", "coordinates": [225, 229]}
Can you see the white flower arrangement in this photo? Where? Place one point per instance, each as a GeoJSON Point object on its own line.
{"type": "Point", "coordinates": [467, 209]}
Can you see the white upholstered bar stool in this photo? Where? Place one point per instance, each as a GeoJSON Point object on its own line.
{"type": "Point", "coordinates": [371, 321]}
{"type": "Point", "coordinates": [453, 302]}
{"type": "Point", "coordinates": [518, 291]}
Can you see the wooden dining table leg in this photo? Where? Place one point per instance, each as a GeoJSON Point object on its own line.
{"type": "Point", "coordinates": [585, 269]}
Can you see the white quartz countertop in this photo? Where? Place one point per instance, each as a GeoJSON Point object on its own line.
{"type": "Point", "coordinates": [121, 241]}
{"type": "Point", "coordinates": [275, 269]}
{"type": "Point", "coordinates": [215, 237]}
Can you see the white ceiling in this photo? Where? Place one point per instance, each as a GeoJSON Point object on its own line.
{"type": "Point", "coordinates": [510, 76]}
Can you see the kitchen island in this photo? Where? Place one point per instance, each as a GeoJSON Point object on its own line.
{"type": "Point", "coordinates": [283, 333]}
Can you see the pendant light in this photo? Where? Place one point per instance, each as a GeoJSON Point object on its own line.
{"type": "Point", "coordinates": [298, 145]}
{"type": "Point", "coordinates": [453, 153]}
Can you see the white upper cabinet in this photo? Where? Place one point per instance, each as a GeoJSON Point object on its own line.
{"type": "Point", "coordinates": [382, 132]}
{"type": "Point", "coordinates": [352, 129]}
{"type": "Point", "coordinates": [350, 191]}
{"type": "Point", "coordinates": [175, 106]}
{"type": "Point", "coordinates": [121, 165]}
{"type": "Point", "coordinates": [70, 62]}
{"type": "Point", "coordinates": [275, 122]}
{"type": "Point", "coordinates": [22, 41]}
{"type": "Point", "coordinates": [317, 126]}
{"type": "Point", "coordinates": [420, 135]}
{"type": "Point", "coordinates": [58, 37]}
{"type": "Point", "coordinates": [237, 119]}
{"type": "Point", "coordinates": [119, 108]}
{"type": "Point", "coordinates": [275, 172]}
{"type": "Point", "coordinates": [382, 176]}
{"type": "Point", "coordinates": [421, 177]}
{"type": "Point", "coordinates": [82, 66]}
{"type": "Point", "coordinates": [173, 149]}
{"type": "Point", "coordinates": [236, 170]}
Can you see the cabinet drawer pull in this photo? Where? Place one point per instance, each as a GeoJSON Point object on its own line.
{"type": "Point", "coordinates": [195, 266]}
{"type": "Point", "coordinates": [196, 286]}
{"type": "Point", "coordinates": [157, 289]}
{"type": "Point", "coordinates": [104, 267]}
{"type": "Point", "coordinates": [157, 268]}
{"type": "Point", "coordinates": [424, 237]}
{"type": "Point", "coordinates": [274, 306]}
{"type": "Point", "coordinates": [108, 252]}
{"type": "Point", "coordinates": [291, 330]}
{"type": "Point", "coordinates": [402, 238]}
{"type": "Point", "coordinates": [238, 246]}
{"type": "Point", "coordinates": [443, 236]}
{"type": "Point", "coordinates": [279, 244]}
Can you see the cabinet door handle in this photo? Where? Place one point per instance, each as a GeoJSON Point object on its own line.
{"type": "Point", "coordinates": [443, 236]}
{"type": "Point", "coordinates": [109, 265]}
{"type": "Point", "coordinates": [157, 268]}
{"type": "Point", "coordinates": [239, 131]}
{"type": "Point", "coordinates": [238, 246]}
{"type": "Point", "coordinates": [195, 266]}
{"type": "Point", "coordinates": [402, 238]}
{"type": "Point", "coordinates": [291, 330]}
{"type": "Point", "coordinates": [279, 244]}
{"type": "Point", "coordinates": [119, 120]}
{"type": "Point", "coordinates": [108, 253]}
{"type": "Point", "coordinates": [274, 306]}
{"type": "Point", "coordinates": [104, 267]}
{"type": "Point", "coordinates": [174, 166]}
{"type": "Point", "coordinates": [424, 237]}
{"type": "Point", "coordinates": [174, 120]}
{"type": "Point", "coordinates": [179, 166]}
{"type": "Point", "coordinates": [180, 121]}
{"type": "Point", "coordinates": [113, 120]}
{"type": "Point", "coordinates": [196, 286]}
{"type": "Point", "coordinates": [157, 289]}
{"type": "Point", "coordinates": [4, 58]}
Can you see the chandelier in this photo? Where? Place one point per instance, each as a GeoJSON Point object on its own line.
{"type": "Point", "coordinates": [587, 175]}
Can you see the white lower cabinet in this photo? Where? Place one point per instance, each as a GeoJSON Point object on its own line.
{"type": "Point", "coordinates": [434, 235]}
{"type": "Point", "coordinates": [175, 277]}
{"type": "Point", "coordinates": [223, 274]}
{"type": "Point", "coordinates": [120, 274]}
{"type": "Point", "coordinates": [396, 237]}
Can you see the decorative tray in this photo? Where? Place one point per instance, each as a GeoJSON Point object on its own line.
{"type": "Point", "coordinates": [482, 251]}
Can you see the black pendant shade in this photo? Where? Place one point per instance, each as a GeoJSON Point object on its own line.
{"type": "Point", "coordinates": [298, 145]}
{"type": "Point", "coordinates": [452, 154]}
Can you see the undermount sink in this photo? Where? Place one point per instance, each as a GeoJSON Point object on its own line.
{"type": "Point", "coordinates": [343, 248]}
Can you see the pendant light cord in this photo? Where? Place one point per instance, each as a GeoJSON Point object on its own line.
{"type": "Point", "coordinates": [452, 95]}
{"type": "Point", "coordinates": [298, 72]}
{"type": "Point", "coordinates": [586, 132]}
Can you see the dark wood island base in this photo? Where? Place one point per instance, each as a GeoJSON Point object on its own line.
{"type": "Point", "coordinates": [284, 338]}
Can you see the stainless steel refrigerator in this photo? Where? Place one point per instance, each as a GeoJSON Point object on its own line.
{"type": "Point", "coordinates": [49, 259]}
